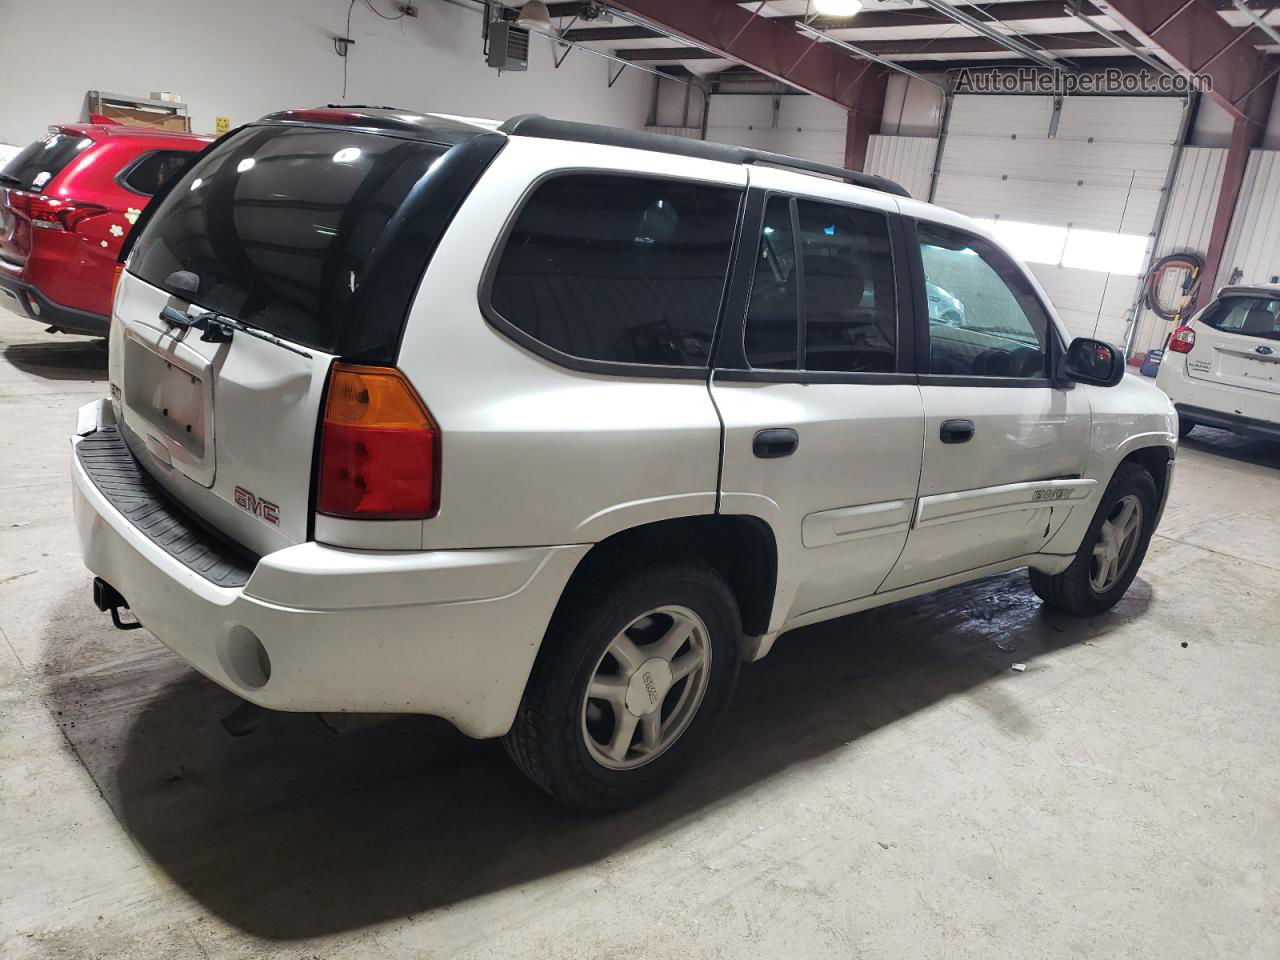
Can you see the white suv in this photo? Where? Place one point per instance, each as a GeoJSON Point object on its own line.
{"type": "Point", "coordinates": [1222, 368]}
{"type": "Point", "coordinates": [544, 428]}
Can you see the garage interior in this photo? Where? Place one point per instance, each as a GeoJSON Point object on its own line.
{"type": "Point", "coordinates": [965, 774]}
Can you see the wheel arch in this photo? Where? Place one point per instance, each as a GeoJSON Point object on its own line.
{"type": "Point", "coordinates": [742, 548]}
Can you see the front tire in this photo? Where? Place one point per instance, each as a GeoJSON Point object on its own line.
{"type": "Point", "coordinates": [635, 673]}
{"type": "Point", "coordinates": [1112, 550]}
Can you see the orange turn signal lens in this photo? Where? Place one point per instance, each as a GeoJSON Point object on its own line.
{"type": "Point", "coordinates": [379, 447]}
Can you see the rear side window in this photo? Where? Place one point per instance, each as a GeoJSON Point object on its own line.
{"type": "Point", "coordinates": [822, 294]}
{"type": "Point", "coordinates": [618, 268]}
{"type": "Point", "coordinates": [34, 167]}
{"type": "Point", "coordinates": [280, 224]}
{"type": "Point", "coordinates": [1247, 316]}
{"type": "Point", "coordinates": [850, 317]}
{"type": "Point", "coordinates": [149, 172]}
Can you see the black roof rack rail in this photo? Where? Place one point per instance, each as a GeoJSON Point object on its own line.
{"type": "Point", "coordinates": [536, 125]}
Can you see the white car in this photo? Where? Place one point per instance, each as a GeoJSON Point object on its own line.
{"type": "Point", "coordinates": [544, 428]}
{"type": "Point", "coordinates": [1222, 368]}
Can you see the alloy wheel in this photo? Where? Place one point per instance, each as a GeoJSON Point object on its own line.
{"type": "Point", "coordinates": [646, 687]}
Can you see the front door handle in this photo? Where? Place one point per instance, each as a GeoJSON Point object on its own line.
{"type": "Point", "coordinates": [956, 431]}
{"type": "Point", "coordinates": [779, 442]}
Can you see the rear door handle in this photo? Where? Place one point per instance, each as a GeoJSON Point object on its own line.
{"type": "Point", "coordinates": [779, 442]}
{"type": "Point", "coordinates": [956, 431]}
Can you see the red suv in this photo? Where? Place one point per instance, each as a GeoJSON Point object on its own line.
{"type": "Point", "coordinates": [66, 204]}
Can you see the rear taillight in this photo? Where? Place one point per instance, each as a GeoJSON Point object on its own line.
{"type": "Point", "coordinates": [1182, 340]}
{"type": "Point", "coordinates": [379, 448]}
{"type": "Point", "coordinates": [49, 213]}
{"type": "Point", "coordinates": [116, 274]}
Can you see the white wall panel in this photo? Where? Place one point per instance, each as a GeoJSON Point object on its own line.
{"type": "Point", "coordinates": [908, 160]}
{"type": "Point", "coordinates": [1253, 243]}
{"type": "Point", "coordinates": [244, 58]}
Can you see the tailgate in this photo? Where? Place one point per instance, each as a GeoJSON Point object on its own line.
{"type": "Point", "coordinates": [228, 428]}
{"type": "Point", "coordinates": [1237, 343]}
{"type": "Point", "coordinates": [270, 244]}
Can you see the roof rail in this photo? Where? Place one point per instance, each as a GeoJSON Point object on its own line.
{"type": "Point", "coordinates": [536, 125]}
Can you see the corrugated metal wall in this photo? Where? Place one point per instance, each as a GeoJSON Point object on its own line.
{"type": "Point", "coordinates": [908, 160]}
{"type": "Point", "coordinates": [806, 126]}
{"type": "Point", "coordinates": [1104, 169]}
{"type": "Point", "coordinates": [1188, 222]}
{"type": "Point", "coordinates": [1253, 243]}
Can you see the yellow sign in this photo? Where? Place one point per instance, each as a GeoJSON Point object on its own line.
{"type": "Point", "coordinates": [221, 125]}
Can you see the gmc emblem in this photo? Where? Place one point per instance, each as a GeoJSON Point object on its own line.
{"type": "Point", "coordinates": [262, 509]}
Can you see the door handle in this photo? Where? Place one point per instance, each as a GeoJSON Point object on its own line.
{"type": "Point", "coordinates": [779, 442]}
{"type": "Point", "coordinates": [956, 431]}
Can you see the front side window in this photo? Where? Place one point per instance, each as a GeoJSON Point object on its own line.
{"type": "Point", "coordinates": [1247, 316]}
{"type": "Point", "coordinates": [619, 268]}
{"type": "Point", "coordinates": [984, 318]}
{"type": "Point", "coordinates": [150, 173]}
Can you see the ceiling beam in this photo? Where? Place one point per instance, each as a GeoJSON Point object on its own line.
{"type": "Point", "coordinates": [940, 46]}
{"type": "Point", "coordinates": [1192, 37]}
{"type": "Point", "coordinates": [874, 19]}
{"type": "Point", "coordinates": [725, 30]}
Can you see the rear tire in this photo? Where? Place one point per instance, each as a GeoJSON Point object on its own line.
{"type": "Point", "coordinates": [660, 698]}
{"type": "Point", "coordinates": [1085, 588]}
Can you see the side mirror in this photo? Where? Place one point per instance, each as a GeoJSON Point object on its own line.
{"type": "Point", "coordinates": [1092, 361]}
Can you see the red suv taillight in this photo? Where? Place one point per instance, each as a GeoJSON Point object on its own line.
{"type": "Point", "coordinates": [1182, 340]}
{"type": "Point", "coordinates": [51, 214]}
{"type": "Point", "coordinates": [379, 448]}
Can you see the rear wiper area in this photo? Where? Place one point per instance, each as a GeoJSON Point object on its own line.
{"type": "Point", "coordinates": [217, 328]}
{"type": "Point", "coordinates": [9, 178]}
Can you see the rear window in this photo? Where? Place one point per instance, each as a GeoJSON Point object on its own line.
{"type": "Point", "coordinates": [1248, 316]}
{"type": "Point", "coordinates": [34, 167]}
{"type": "Point", "coordinates": [281, 225]}
{"type": "Point", "coordinates": [149, 173]}
{"type": "Point", "coordinates": [617, 268]}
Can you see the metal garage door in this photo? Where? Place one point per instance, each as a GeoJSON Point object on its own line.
{"type": "Point", "coordinates": [1103, 168]}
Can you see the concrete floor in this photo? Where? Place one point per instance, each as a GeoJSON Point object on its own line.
{"type": "Point", "coordinates": [886, 786]}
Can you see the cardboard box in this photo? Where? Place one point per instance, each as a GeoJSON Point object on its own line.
{"type": "Point", "coordinates": [142, 117]}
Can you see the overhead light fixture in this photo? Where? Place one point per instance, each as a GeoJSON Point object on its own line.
{"type": "Point", "coordinates": [837, 8]}
{"type": "Point", "coordinates": [534, 15]}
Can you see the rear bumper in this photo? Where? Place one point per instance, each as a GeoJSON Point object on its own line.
{"type": "Point", "coordinates": [30, 302]}
{"type": "Point", "coordinates": [450, 633]}
{"type": "Point", "coordinates": [1244, 426]}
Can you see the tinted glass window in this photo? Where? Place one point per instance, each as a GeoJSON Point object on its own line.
{"type": "Point", "coordinates": [280, 224]}
{"type": "Point", "coordinates": [849, 311]}
{"type": "Point", "coordinates": [1249, 316]}
{"type": "Point", "coordinates": [772, 329]}
{"type": "Point", "coordinates": [34, 167]}
{"type": "Point", "coordinates": [984, 318]}
{"type": "Point", "coordinates": [619, 268]}
{"type": "Point", "coordinates": [149, 173]}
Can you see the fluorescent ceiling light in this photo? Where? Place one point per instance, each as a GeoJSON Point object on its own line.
{"type": "Point", "coordinates": [837, 8]}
